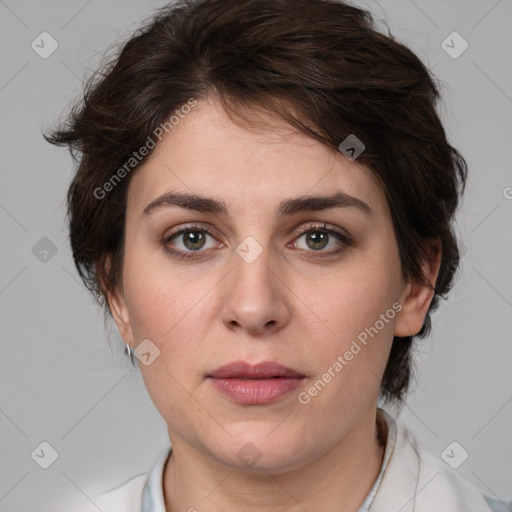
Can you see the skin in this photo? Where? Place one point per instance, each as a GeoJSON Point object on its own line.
{"type": "Point", "coordinates": [300, 311]}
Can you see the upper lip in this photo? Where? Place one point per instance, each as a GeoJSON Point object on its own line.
{"type": "Point", "coordinates": [244, 370]}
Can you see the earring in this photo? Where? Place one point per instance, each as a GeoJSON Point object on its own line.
{"type": "Point", "coordinates": [129, 352]}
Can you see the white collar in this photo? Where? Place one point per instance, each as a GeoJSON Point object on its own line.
{"type": "Point", "coordinates": [411, 479]}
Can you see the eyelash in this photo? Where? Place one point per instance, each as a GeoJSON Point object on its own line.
{"type": "Point", "coordinates": [193, 255]}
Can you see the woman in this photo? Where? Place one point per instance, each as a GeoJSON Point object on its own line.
{"type": "Point", "coordinates": [263, 204]}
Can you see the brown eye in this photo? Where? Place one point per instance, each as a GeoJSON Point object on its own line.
{"type": "Point", "coordinates": [192, 239]}
{"type": "Point", "coordinates": [318, 238]}
{"type": "Point", "coordinates": [189, 240]}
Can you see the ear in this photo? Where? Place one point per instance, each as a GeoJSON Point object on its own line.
{"type": "Point", "coordinates": [117, 303]}
{"type": "Point", "coordinates": [417, 296]}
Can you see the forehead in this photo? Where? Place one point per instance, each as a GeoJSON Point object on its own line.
{"type": "Point", "coordinates": [207, 153]}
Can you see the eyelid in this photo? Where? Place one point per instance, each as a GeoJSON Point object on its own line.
{"type": "Point", "coordinates": [325, 226]}
{"type": "Point", "coordinates": [194, 226]}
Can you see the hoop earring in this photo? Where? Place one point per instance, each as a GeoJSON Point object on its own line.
{"type": "Point", "coordinates": [128, 350]}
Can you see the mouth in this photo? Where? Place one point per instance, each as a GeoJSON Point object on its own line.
{"type": "Point", "coordinates": [257, 384]}
{"type": "Point", "coordinates": [243, 370]}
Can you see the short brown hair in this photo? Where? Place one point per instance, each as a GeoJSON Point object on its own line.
{"type": "Point", "coordinates": [319, 65]}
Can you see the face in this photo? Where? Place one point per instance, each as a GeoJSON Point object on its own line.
{"type": "Point", "coordinates": [257, 275]}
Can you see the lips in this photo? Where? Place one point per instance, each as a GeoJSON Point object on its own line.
{"type": "Point", "coordinates": [243, 370]}
{"type": "Point", "coordinates": [257, 384]}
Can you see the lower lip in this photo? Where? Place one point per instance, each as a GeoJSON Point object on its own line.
{"type": "Point", "coordinates": [256, 391]}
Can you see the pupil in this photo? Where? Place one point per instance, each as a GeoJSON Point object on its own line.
{"type": "Point", "coordinates": [193, 238]}
{"type": "Point", "coordinates": [318, 238]}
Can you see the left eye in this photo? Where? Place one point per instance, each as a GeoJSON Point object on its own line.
{"type": "Point", "coordinates": [318, 238]}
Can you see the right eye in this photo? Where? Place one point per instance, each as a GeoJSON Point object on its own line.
{"type": "Point", "coordinates": [189, 240]}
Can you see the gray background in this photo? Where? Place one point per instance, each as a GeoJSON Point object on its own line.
{"type": "Point", "coordinates": [60, 380]}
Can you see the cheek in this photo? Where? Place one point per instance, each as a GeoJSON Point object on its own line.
{"type": "Point", "coordinates": [360, 314]}
{"type": "Point", "coordinates": [173, 310]}
{"type": "Point", "coordinates": [159, 299]}
{"type": "Point", "coordinates": [357, 299]}
{"type": "Point", "coordinates": [169, 314]}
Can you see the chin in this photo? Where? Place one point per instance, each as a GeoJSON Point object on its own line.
{"type": "Point", "coordinates": [258, 453]}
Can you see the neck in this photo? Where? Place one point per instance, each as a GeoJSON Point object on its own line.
{"type": "Point", "coordinates": [343, 476]}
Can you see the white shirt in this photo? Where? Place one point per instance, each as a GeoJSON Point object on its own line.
{"type": "Point", "coordinates": [411, 479]}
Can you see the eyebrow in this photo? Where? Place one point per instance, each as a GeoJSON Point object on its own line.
{"type": "Point", "coordinates": [287, 207]}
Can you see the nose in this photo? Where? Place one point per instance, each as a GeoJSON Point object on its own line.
{"type": "Point", "coordinates": [255, 296]}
